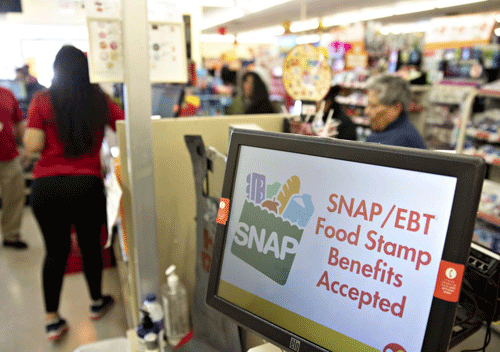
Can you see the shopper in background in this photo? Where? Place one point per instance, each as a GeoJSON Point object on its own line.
{"type": "Point", "coordinates": [256, 94]}
{"type": "Point", "coordinates": [30, 83]}
{"type": "Point", "coordinates": [389, 98]}
{"type": "Point", "coordinates": [66, 124]}
{"type": "Point", "coordinates": [346, 129]}
{"type": "Point", "coordinates": [11, 173]}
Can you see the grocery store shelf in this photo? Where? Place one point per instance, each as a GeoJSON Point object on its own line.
{"type": "Point", "coordinates": [489, 93]}
{"type": "Point", "coordinates": [483, 135]}
{"type": "Point", "coordinates": [350, 101]}
{"type": "Point", "coordinates": [491, 219]}
{"type": "Point", "coordinates": [354, 85]}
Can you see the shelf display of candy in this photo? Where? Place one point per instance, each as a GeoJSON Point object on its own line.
{"type": "Point", "coordinates": [489, 204]}
{"type": "Point", "coordinates": [441, 126]}
{"type": "Point", "coordinates": [351, 79]}
{"type": "Point", "coordinates": [485, 126]}
{"type": "Point", "coordinates": [490, 153]}
{"type": "Point", "coordinates": [487, 235]}
{"type": "Point", "coordinates": [356, 98]}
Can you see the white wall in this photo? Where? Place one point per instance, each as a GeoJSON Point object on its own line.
{"type": "Point", "coordinates": [45, 25]}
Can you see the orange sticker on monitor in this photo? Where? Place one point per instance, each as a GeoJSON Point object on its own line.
{"type": "Point", "coordinates": [223, 213]}
{"type": "Point", "coordinates": [449, 281]}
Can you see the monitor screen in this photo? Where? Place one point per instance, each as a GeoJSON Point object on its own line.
{"type": "Point", "coordinates": [164, 97]}
{"type": "Point", "coordinates": [325, 238]}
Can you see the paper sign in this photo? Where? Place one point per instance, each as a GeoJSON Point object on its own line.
{"type": "Point", "coordinates": [106, 51]}
{"type": "Point", "coordinates": [167, 53]}
{"type": "Point", "coordinates": [103, 9]}
{"type": "Point", "coordinates": [449, 281]}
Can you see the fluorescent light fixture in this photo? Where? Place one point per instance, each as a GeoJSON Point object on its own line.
{"type": "Point", "coordinates": [217, 38]}
{"type": "Point", "coordinates": [264, 35]}
{"type": "Point", "coordinates": [451, 3]}
{"type": "Point", "coordinates": [308, 39]}
{"type": "Point", "coordinates": [399, 8]}
{"type": "Point", "coordinates": [497, 32]}
{"type": "Point", "coordinates": [221, 17]}
{"type": "Point", "coordinates": [402, 8]}
{"type": "Point", "coordinates": [300, 26]}
{"type": "Point", "coordinates": [405, 28]}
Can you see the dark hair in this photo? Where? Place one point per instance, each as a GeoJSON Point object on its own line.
{"type": "Point", "coordinates": [260, 103]}
{"type": "Point", "coordinates": [80, 107]}
{"type": "Point", "coordinates": [228, 76]}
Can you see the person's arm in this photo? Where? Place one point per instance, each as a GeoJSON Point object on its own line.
{"type": "Point", "coordinates": [34, 136]}
{"type": "Point", "coordinates": [19, 130]}
{"type": "Point", "coordinates": [34, 140]}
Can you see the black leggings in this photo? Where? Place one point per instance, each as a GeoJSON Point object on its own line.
{"type": "Point", "coordinates": [59, 202]}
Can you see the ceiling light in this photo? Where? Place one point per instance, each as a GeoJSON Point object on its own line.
{"type": "Point", "coordinates": [217, 38]}
{"type": "Point", "coordinates": [308, 39]}
{"type": "Point", "coordinates": [497, 32]}
{"type": "Point", "coordinates": [264, 35]}
{"type": "Point", "coordinates": [300, 26]}
{"type": "Point", "coordinates": [403, 8]}
{"type": "Point", "coordinates": [221, 17]}
{"type": "Point", "coordinates": [497, 18]}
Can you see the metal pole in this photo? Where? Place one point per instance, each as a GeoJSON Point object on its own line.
{"type": "Point", "coordinates": [137, 92]}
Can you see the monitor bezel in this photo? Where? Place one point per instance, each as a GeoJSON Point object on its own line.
{"type": "Point", "coordinates": [468, 170]}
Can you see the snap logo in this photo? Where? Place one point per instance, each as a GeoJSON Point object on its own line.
{"type": "Point", "coordinates": [271, 225]}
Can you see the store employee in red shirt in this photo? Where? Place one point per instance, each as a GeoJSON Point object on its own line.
{"type": "Point", "coordinates": [11, 173]}
{"type": "Point", "coordinates": [66, 125]}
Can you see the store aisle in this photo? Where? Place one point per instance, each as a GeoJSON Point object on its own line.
{"type": "Point", "coordinates": [23, 326]}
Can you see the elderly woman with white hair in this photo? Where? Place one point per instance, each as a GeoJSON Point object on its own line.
{"type": "Point", "coordinates": [389, 98]}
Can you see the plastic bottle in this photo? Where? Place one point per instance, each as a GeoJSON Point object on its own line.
{"type": "Point", "coordinates": [145, 327]}
{"type": "Point", "coordinates": [152, 344]}
{"type": "Point", "coordinates": [155, 311]}
{"type": "Point", "coordinates": [176, 307]}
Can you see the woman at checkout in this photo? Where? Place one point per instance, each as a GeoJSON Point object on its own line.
{"type": "Point", "coordinates": [255, 97]}
{"type": "Point", "coordinates": [389, 98]}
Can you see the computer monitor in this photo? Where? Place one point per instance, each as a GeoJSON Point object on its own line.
{"type": "Point", "coordinates": [332, 245]}
{"type": "Point", "coordinates": [164, 97]}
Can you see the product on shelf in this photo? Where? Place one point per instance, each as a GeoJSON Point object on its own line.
{"type": "Point", "coordinates": [485, 126]}
{"type": "Point", "coordinates": [487, 235]}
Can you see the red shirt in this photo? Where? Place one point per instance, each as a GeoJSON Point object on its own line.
{"type": "Point", "coordinates": [52, 161]}
{"type": "Point", "coordinates": [10, 115]}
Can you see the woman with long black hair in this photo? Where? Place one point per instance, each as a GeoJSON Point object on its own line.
{"type": "Point", "coordinates": [256, 95]}
{"type": "Point", "coordinates": [66, 125]}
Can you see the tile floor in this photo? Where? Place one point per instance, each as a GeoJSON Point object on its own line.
{"type": "Point", "coordinates": [21, 305]}
{"type": "Point", "coordinates": [21, 308]}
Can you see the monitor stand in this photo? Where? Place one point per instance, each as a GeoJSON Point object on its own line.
{"type": "Point", "coordinates": [268, 347]}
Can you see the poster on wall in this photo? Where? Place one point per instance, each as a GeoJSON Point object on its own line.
{"type": "Point", "coordinates": [167, 53]}
{"type": "Point", "coordinates": [103, 9]}
{"type": "Point", "coordinates": [106, 51]}
{"type": "Point", "coordinates": [460, 31]}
